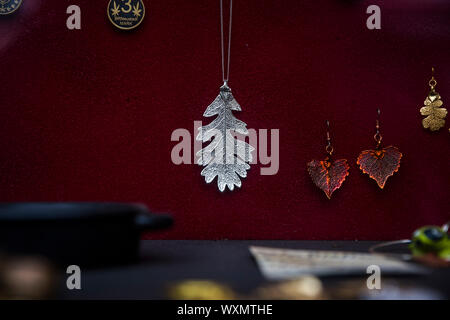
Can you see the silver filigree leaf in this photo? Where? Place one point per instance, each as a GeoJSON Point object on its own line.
{"type": "Point", "coordinates": [226, 156]}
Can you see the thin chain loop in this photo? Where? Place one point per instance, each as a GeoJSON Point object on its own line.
{"type": "Point", "coordinates": [226, 76]}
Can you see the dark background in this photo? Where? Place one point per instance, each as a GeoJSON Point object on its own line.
{"type": "Point", "coordinates": [87, 115]}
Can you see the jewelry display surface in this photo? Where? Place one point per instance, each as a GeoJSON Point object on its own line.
{"type": "Point", "coordinates": [228, 263]}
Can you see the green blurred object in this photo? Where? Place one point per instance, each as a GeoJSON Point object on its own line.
{"type": "Point", "coordinates": [431, 239]}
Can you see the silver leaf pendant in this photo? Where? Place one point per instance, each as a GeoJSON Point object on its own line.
{"type": "Point", "coordinates": [225, 156]}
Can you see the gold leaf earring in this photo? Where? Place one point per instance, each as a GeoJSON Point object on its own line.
{"type": "Point", "coordinates": [435, 115]}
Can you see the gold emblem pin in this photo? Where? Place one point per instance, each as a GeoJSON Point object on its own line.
{"type": "Point", "coordinates": [126, 14]}
{"type": "Point", "coordinates": [9, 6]}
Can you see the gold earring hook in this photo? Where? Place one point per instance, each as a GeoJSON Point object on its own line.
{"type": "Point", "coordinates": [377, 135]}
{"type": "Point", "coordinates": [329, 148]}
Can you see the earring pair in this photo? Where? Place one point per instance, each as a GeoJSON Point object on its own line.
{"type": "Point", "coordinates": [435, 115]}
{"type": "Point", "coordinates": [379, 163]}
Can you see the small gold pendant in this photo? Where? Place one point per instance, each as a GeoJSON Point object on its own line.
{"type": "Point", "coordinates": [126, 14]}
{"type": "Point", "coordinates": [9, 6]}
{"type": "Point", "coordinates": [435, 115]}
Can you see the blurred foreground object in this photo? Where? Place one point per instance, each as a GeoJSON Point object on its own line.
{"type": "Point", "coordinates": [26, 278]}
{"type": "Point", "coordinates": [289, 264]}
{"type": "Point", "coordinates": [390, 290]}
{"type": "Point", "coordinates": [430, 246]}
{"type": "Point", "coordinates": [432, 260]}
{"type": "Point", "coordinates": [430, 240]}
{"type": "Point", "coordinates": [200, 290]}
{"type": "Point", "coordinates": [86, 234]}
{"type": "Point", "coordinates": [304, 288]}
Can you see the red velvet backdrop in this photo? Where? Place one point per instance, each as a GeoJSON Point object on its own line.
{"type": "Point", "coordinates": [87, 115]}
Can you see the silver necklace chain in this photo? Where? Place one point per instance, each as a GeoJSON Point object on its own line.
{"type": "Point", "coordinates": [225, 76]}
{"type": "Point", "coordinates": [226, 157]}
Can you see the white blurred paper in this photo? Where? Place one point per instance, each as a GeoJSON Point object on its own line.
{"type": "Point", "coordinates": [283, 264]}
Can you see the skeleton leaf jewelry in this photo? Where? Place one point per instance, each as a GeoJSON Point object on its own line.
{"type": "Point", "coordinates": [328, 174]}
{"type": "Point", "coordinates": [380, 163]}
{"type": "Point", "coordinates": [225, 157]}
{"type": "Point", "coordinates": [435, 115]}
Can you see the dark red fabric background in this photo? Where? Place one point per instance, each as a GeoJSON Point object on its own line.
{"type": "Point", "coordinates": [87, 115]}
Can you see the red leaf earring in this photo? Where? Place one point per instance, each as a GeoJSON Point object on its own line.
{"type": "Point", "coordinates": [380, 163]}
{"type": "Point", "coordinates": [327, 174]}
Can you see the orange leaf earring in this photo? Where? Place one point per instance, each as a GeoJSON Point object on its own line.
{"type": "Point", "coordinates": [380, 163]}
{"type": "Point", "coordinates": [327, 174]}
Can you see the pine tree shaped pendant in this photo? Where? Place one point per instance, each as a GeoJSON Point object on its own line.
{"type": "Point", "coordinates": [226, 156]}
